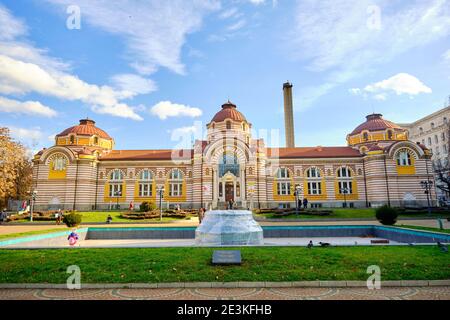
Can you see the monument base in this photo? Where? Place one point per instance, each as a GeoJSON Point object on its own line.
{"type": "Point", "coordinates": [229, 227]}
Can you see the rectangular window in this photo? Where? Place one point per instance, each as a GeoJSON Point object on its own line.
{"type": "Point", "coordinates": [145, 190]}
{"type": "Point", "coordinates": [115, 190]}
{"type": "Point", "coordinates": [175, 189]}
{"type": "Point", "coordinates": [284, 188]}
{"type": "Point", "coordinates": [345, 186]}
{"type": "Point", "coordinates": [314, 188]}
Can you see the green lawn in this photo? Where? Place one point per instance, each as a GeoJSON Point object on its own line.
{"type": "Point", "coordinates": [193, 264]}
{"type": "Point", "coordinates": [29, 233]}
{"type": "Point", "coordinates": [100, 216]}
{"type": "Point", "coordinates": [424, 228]}
{"type": "Point", "coordinates": [347, 213]}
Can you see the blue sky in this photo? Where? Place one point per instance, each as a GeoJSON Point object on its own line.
{"type": "Point", "coordinates": [153, 73]}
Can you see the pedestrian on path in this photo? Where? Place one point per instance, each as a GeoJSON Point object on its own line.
{"type": "Point", "coordinates": [3, 216]}
{"type": "Point", "coordinates": [305, 203]}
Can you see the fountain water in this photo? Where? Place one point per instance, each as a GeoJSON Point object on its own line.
{"type": "Point", "coordinates": [229, 227]}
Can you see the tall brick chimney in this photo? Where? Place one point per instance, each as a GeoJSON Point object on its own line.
{"type": "Point", "coordinates": [288, 115]}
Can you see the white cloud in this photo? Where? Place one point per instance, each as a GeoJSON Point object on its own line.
{"type": "Point", "coordinates": [17, 77]}
{"type": "Point", "coordinates": [402, 83]}
{"type": "Point", "coordinates": [11, 27]}
{"type": "Point", "coordinates": [27, 107]}
{"type": "Point", "coordinates": [336, 33]}
{"type": "Point", "coordinates": [166, 109]}
{"type": "Point", "coordinates": [257, 2]}
{"type": "Point", "coordinates": [236, 26]}
{"type": "Point", "coordinates": [26, 69]}
{"type": "Point", "coordinates": [339, 37]}
{"type": "Point", "coordinates": [229, 13]}
{"type": "Point", "coordinates": [179, 132]}
{"type": "Point", "coordinates": [26, 135]}
{"type": "Point", "coordinates": [380, 97]}
{"type": "Point", "coordinates": [446, 56]}
{"type": "Point", "coordinates": [154, 31]}
{"type": "Point", "coordinates": [132, 84]}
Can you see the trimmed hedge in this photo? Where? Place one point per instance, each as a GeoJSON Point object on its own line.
{"type": "Point", "coordinates": [387, 215]}
{"type": "Point", "coordinates": [72, 219]}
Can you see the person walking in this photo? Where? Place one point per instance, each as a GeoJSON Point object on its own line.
{"type": "Point", "coordinates": [3, 216]}
{"type": "Point", "coordinates": [305, 203]}
{"type": "Point", "coordinates": [58, 217]}
{"type": "Point", "coordinates": [201, 213]}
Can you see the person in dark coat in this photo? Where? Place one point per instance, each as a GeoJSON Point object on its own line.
{"type": "Point", "coordinates": [305, 203]}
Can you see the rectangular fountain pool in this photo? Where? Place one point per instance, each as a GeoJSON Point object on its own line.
{"type": "Point", "coordinates": [273, 235]}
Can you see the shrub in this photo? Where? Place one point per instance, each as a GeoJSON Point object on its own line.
{"type": "Point", "coordinates": [387, 215]}
{"type": "Point", "coordinates": [72, 219]}
{"type": "Point", "coordinates": [147, 206]}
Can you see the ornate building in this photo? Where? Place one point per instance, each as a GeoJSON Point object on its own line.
{"type": "Point", "coordinates": [379, 166]}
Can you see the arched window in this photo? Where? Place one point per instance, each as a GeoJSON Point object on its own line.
{"type": "Point", "coordinates": [228, 163]}
{"type": "Point", "coordinates": [344, 172]}
{"type": "Point", "coordinates": [228, 125]}
{"type": "Point", "coordinates": [283, 182]}
{"type": "Point", "coordinates": [176, 183]}
{"type": "Point", "coordinates": [345, 184]}
{"type": "Point", "coordinates": [390, 135]}
{"type": "Point", "coordinates": [115, 185]}
{"type": "Point", "coordinates": [313, 173]}
{"type": "Point", "coordinates": [365, 136]}
{"type": "Point", "coordinates": [145, 183]}
{"type": "Point", "coordinates": [313, 176]}
{"type": "Point", "coordinates": [404, 158]}
{"type": "Point", "coordinates": [59, 163]}
{"type": "Point", "coordinates": [95, 140]}
{"type": "Point", "coordinates": [72, 139]}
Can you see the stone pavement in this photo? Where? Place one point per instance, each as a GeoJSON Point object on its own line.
{"type": "Point", "coordinates": [388, 293]}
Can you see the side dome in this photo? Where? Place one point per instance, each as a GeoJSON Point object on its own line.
{"type": "Point", "coordinates": [376, 130]}
{"type": "Point", "coordinates": [85, 128]}
{"type": "Point", "coordinates": [375, 122]}
{"type": "Point", "coordinates": [85, 134]}
{"type": "Point", "coordinates": [229, 111]}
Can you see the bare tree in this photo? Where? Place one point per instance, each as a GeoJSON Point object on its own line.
{"type": "Point", "coordinates": [442, 167]}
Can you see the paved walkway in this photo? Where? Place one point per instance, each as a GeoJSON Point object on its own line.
{"type": "Point", "coordinates": [409, 293]}
{"type": "Point", "coordinates": [7, 228]}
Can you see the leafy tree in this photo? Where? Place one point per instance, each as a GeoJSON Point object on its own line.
{"type": "Point", "coordinates": [15, 169]}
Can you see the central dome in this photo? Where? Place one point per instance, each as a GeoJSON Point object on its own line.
{"type": "Point", "coordinates": [228, 111]}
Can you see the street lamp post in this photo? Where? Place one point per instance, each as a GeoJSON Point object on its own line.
{"type": "Point", "coordinates": [118, 194]}
{"type": "Point", "coordinates": [297, 196]}
{"type": "Point", "coordinates": [33, 198]}
{"type": "Point", "coordinates": [160, 194]}
{"type": "Point", "coordinates": [345, 191]}
{"type": "Point", "coordinates": [427, 185]}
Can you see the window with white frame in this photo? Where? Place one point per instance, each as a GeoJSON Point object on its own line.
{"type": "Point", "coordinates": [313, 173]}
{"type": "Point", "coordinates": [145, 183]}
{"type": "Point", "coordinates": [115, 183]}
{"type": "Point", "coordinates": [314, 188]}
{"type": "Point", "coordinates": [283, 182]}
{"type": "Point", "coordinates": [314, 181]}
{"type": "Point", "coordinates": [176, 183]}
{"type": "Point", "coordinates": [404, 158]}
{"type": "Point", "coordinates": [59, 163]}
{"type": "Point", "coordinates": [345, 185]}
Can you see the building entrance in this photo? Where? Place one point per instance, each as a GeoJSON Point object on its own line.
{"type": "Point", "coordinates": [229, 191]}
